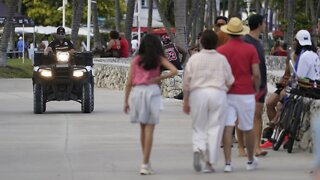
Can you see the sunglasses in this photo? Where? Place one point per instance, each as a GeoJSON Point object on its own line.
{"type": "Point", "coordinates": [61, 33]}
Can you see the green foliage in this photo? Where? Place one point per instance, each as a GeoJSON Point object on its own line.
{"type": "Point", "coordinates": [16, 69]}
{"type": "Point", "coordinates": [45, 12]}
{"type": "Point", "coordinates": [168, 7]}
{"type": "Point", "coordinates": [302, 21]}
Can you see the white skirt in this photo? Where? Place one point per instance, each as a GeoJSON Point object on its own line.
{"type": "Point", "coordinates": [145, 104]}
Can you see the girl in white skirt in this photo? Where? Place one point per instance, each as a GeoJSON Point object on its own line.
{"type": "Point", "coordinates": [145, 96]}
{"type": "Point", "coordinates": [207, 78]}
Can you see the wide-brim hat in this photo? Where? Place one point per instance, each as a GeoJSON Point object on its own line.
{"type": "Point", "coordinates": [235, 27]}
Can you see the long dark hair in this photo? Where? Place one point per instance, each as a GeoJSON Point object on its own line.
{"type": "Point", "coordinates": [299, 48]}
{"type": "Point", "coordinates": [150, 51]}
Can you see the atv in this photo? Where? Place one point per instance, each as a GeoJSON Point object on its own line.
{"type": "Point", "coordinates": [63, 77]}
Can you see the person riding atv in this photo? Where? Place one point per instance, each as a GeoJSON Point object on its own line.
{"type": "Point", "coordinates": [60, 43]}
{"type": "Point", "coordinates": [62, 74]}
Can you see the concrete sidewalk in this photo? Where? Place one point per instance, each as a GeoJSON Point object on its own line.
{"type": "Point", "coordinates": [64, 144]}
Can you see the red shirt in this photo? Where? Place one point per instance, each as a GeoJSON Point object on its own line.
{"type": "Point", "coordinates": [124, 51]}
{"type": "Point", "coordinates": [241, 56]}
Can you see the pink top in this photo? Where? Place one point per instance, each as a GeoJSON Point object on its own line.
{"type": "Point", "coordinates": [141, 76]}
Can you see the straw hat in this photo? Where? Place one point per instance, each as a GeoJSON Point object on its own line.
{"type": "Point", "coordinates": [235, 27]}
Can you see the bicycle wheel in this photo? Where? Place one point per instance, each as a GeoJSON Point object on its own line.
{"type": "Point", "coordinates": [296, 124]}
{"type": "Point", "coordinates": [276, 145]}
{"type": "Point", "coordinates": [286, 113]}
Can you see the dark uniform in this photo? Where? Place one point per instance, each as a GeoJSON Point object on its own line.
{"type": "Point", "coordinates": [56, 45]}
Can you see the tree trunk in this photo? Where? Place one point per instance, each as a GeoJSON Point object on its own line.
{"type": "Point", "coordinates": [236, 8]}
{"type": "Point", "coordinates": [209, 14]}
{"type": "Point", "coordinates": [290, 28]}
{"type": "Point", "coordinates": [76, 20]}
{"type": "Point", "coordinates": [230, 7]}
{"type": "Point", "coordinates": [214, 10]}
{"type": "Point", "coordinates": [150, 12]}
{"type": "Point", "coordinates": [224, 7]}
{"type": "Point", "coordinates": [180, 8]}
{"type": "Point", "coordinates": [200, 19]}
{"type": "Point", "coordinates": [192, 15]}
{"type": "Point", "coordinates": [265, 33]}
{"type": "Point", "coordinates": [257, 6]}
{"type": "Point", "coordinates": [165, 22]}
{"type": "Point", "coordinates": [129, 21]}
{"type": "Point", "coordinates": [19, 6]}
{"type": "Point", "coordinates": [96, 34]}
{"type": "Point", "coordinates": [118, 14]}
{"type": "Point", "coordinates": [6, 33]}
{"type": "Point", "coordinates": [314, 14]}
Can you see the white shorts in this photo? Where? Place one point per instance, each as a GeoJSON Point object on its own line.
{"type": "Point", "coordinates": [241, 107]}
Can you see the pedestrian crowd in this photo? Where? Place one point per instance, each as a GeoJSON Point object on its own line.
{"type": "Point", "coordinates": [224, 89]}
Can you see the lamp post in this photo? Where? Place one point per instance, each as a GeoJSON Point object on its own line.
{"type": "Point", "coordinates": [64, 2]}
{"type": "Point", "coordinates": [89, 24]}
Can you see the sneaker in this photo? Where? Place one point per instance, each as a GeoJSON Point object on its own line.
{"type": "Point", "coordinates": [227, 168]}
{"type": "Point", "coordinates": [146, 169]}
{"type": "Point", "coordinates": [197, 161]}
{"type": "Point", "coordinates": [253, 164]}
{"type": "Point", "coordinates": [208, 168]}
{"type": "Point", "coordinates": [267, 144]}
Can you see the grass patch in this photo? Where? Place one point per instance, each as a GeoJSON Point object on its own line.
{"type": "Point", "coordinates": [17, 69]}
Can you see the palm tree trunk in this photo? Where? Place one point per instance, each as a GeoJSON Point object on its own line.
{"type": "Point", "coordinates": [76, 20]}
{"type": "Point", "coordinates": [192, 15]}
{"type": "Point", "coordinates": [230, 7]}
{"type": "Point", "coordinates": [165, 22]}
{"type": "Point", "coordinates": [290, 28]}
{"type": "Point", "coordinates": [209, 14]}
{"type": "Point", "coordinates": [180, 8]}
{"type": "Point", "coordinates": [200, 19]}
{"type": "Point", "coordinates": [214, 11]}
{"type": "Point", "coordinates": [129, 21]}
{"type": "Point", "coordinates": [150, 12]}
{"type": "Point", "coordinates": [6, 33]}
{"type": "Point", "coordinates": [314, 14]}
{"type": "Point", "coordinates": [265, 33]}
{"type": "Point", "coordinates": [96, 33]}
{"type": "Point", "coordinates": [118, 14]}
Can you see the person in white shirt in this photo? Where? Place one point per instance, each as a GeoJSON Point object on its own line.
{"type": "Point", "coordinates": [308, 66]}
{"type": "Point", "coordinates": [308, 62]}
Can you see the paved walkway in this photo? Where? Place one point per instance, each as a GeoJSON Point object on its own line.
{"type": "Point", "coordinates": [64, 144]}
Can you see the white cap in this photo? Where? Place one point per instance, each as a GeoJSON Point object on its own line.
{"type": "Point", "coordinates": [20, 37]}
{"type": "Point", "coordinates": [303, 36]}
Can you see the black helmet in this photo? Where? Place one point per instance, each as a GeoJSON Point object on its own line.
{"type": "Point", "coordinates": [61, 30]}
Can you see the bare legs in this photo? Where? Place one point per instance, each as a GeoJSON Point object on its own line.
{"type": "Point", "coordinates": [257, 127]}
{"type": "Point", "coordinates": [227, 142]}
{"type": "Point", "coordinates": [241, 141]}
{"type": "Point", "coordinates": [249, 137]}
{"type": "Point", "coordinates": [146, 138]}
{"type": "Point", "coordinates": [271, 104]}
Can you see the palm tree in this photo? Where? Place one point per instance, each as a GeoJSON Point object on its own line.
{"type": "Point", "coordinates": [96, 33]}
{"type": "Point", "coordinates": [150, 11]}
{"type": "Point", "coordinates": [6, 33]}
{"type": "Point", "coordinates": [314, 18]}
{"type": "Point", "coordinates": [290, 28]}
{"type": "Point", "coordinates": [165, 22]}
{"type": "Point", "coordinates": [129, 21]}
{"type": "Point", "coordinates": [180, 8]}
{"type": "Point", "coordinates": [77, 8]}
{"type": "Point", "coordinates": [118, 14]}
{"type": "Point", "coordinates": [191, 16]}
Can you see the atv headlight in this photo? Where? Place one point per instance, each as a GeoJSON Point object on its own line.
{"type": "Point", "coordinates": [45, 73]}
{"type": "Point", "coordinates": [78, 73]}
{"type": "Point", "coordinates": [63, 56]}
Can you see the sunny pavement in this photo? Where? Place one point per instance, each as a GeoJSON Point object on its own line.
{"type": "Point", "coordinates": [64, 144]}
